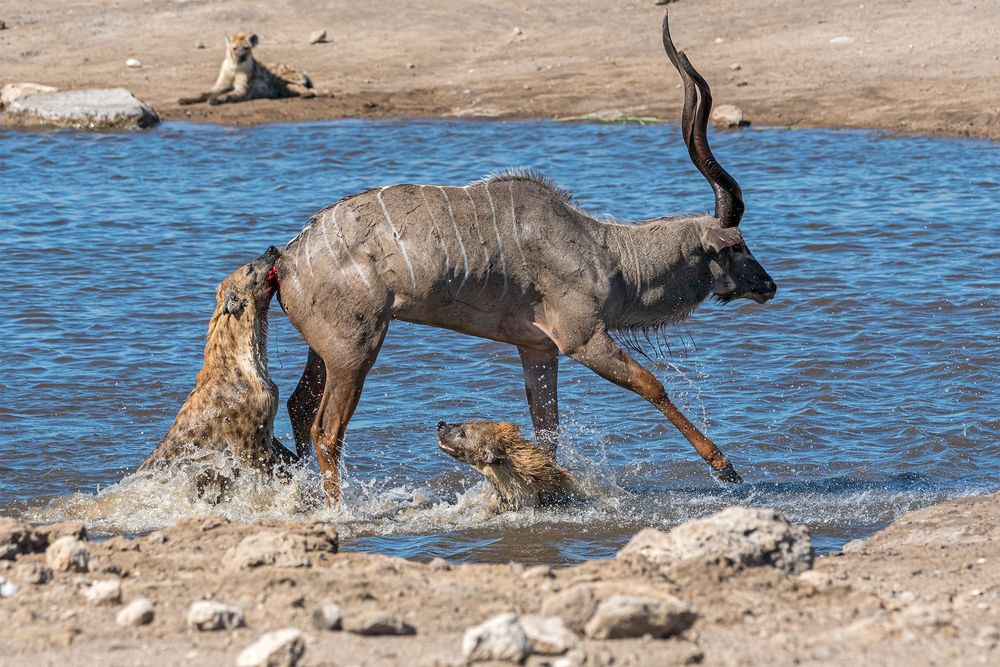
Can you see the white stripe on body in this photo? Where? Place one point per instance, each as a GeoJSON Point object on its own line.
{"type": "Point", "coordinates": [482, 240]}
{"type": "Point", "coordinates": [503, 262]}
{"type": "Point", "coordinates": [396, 237]}
{"type": "Point", "coordinates": [458, 235]}
{"type": "Point", "coordinates": [437, 230]}
{"type": "Point", "coordinates": [347, 251]}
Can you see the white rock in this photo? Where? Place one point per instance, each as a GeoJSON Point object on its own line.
{"type": "Point", "coordinates": [268, 548]}
{"type": "Point", "coordinates": [327, 616]}
{"type": "Point", "coordinates": [7, 588]}
{"type": "Point", "coordinates": [133, 62]}
{"type": "Point", "coordinates": [843, 39]}
{"type": "Point", "coordinates": [728, 115]}
{"type": "Point", "coordinates": [199, 44]}
{"type": "Point", "coordinates": [318, 37]}
{"type": "Point", "coordinates": [740, 536]}
{"type": "Point", "coordinates": [67, 554]}
{"type": "Point", "coordinates": [15, 91]}
{"type": "Point", "coordinates": [500, 638]}
{"type": "Point", "coordinates": [91, 109]}
{"type": "Point", "coordinates": [137, 612]}
{"type": "Point", "coordinates": [281, 648]}
{"type": "Point", "coordinates": [517, 31]}
{"type": "Point", "coordinates": [548, 635]}
{"type": "Point", "coordinates": [105, 592]}
{"type": "Point", "coordinates": [625, 616]}
{"type": "Point", "coordinates": [212, 615]}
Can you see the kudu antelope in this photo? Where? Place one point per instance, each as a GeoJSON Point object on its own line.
{"type": "Point", "coordinates": [509, 258]}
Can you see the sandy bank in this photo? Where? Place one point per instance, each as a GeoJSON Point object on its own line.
{"type": "Point", "coordinates": [924, 591]}
{"type": "Point", "coordinates": [903, 65]}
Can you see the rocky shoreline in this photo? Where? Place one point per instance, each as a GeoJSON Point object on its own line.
{"type": "Point", "coordinates": [739, 588]}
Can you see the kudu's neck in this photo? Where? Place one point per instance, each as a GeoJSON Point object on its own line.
{"type": "Point", "coordinates": [664, 267]}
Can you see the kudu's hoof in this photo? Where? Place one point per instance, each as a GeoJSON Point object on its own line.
{"type": "Point", "coordinates": [729, 474]}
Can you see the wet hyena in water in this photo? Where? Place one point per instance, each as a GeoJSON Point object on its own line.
{"type": "Point", "coordinates": [233, 403]}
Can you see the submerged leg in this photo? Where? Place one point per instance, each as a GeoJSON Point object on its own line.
{"type": "Point", "coordinates": [541, 378]}
{"type": "Point", "coordinates": [303, 404]}
{"type": "Point", "coordinates": [603, 356]}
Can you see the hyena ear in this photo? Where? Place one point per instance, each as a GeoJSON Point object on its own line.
{"type": "Point", "coordinates": [233, 304]}
{"type": "Point", "coordinates": [718, 239]}
{"type": "Point", "coordinates": [253, 40]}
{"type": "Point", "coordinates": [491, 455]}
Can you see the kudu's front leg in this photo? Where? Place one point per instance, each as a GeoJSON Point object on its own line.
{"type": "Point", "coordinates": [603, 356]}
{"type": "Point", "coordinates": [541, 378]}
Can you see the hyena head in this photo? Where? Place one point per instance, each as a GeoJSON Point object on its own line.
{"type": "Point", "coordinates": [247, 291]}
{"type": "Point", "coordinates": [239, 47]}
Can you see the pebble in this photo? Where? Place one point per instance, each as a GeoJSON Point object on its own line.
{"type": "Point", "coordinates": [625, 616]}
{"type": "Point", "coordinates": [327, 616]}
{"type": "Point", "coordinates": [281, 648]}
{"type": "Point", "coordinates": [68, 554]}
{"type": "Point", "coordinates": [318, 37]}
{"type": "Point", "coordinates": [575, 606]}
{"type": "Point", "coordinates": [728, 116]}
{"type": "Point", "coordinates": [137, 612]}
{"type": "Point", "coordinates": [8, 588]}
{"type": "Point", "coordinates": [500, 638]}
{"type": "Point", "coordinates": [439, 565]}
{"type": "Point", "coordinates": [517, 31]}
{"type": "Point", "coordinates": [376, 622]}
{"type": "Point", "coordinates": [3, 25]}
{"type": "Point", "coordinates": [212, 615]}
{"type": "Point", "coordinates": [199, 44]}
{"type": "Point", "coordinates": [736, 67]}
{"type": "Point", "coordinates": [843, 39]}
{"type": "Point", "coordinates": [133, 62]}
{"type": "Point", "coordinates": [105, 592]}
{"type": "Point", "coordinates": [548, 635]}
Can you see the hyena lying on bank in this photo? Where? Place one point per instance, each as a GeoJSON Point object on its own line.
{"type": "Point", "coordinates": [233, 403]}
{"type": "Point", "coordinates": [241, 77]}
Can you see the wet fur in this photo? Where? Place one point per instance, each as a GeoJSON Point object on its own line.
{"type": "Point", "coordinates": [522, 473]}
{"type": "Point", "coordinates": [233, 403]}
{"type": "Point", "coordinates": [242, 77]}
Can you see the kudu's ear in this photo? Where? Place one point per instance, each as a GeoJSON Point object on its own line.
{"type": "Point", "coordinates": [233, 304]}
{"type": "Point", "coordinates": [718, 238]}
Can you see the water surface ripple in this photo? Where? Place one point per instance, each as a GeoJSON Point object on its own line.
{"type": "Point", "coordinates": [867, 388]}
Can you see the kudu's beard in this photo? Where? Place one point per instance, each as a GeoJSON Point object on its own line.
{"type": "Point", "coordinates": [652, 339]}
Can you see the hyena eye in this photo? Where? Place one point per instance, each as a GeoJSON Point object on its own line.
{"type": "Point", "coordinates": [461, 432]}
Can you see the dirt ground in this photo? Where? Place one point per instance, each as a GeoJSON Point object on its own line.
{"type": "Point", "coordinates": [925, 591]}
{"type": "Point", "coordinates": [904, 65]}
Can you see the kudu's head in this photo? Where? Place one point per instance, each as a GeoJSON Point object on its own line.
{"type": "Point", "coordinates": [735, 272]}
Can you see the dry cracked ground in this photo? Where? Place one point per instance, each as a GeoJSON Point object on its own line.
{"type": "Point", "coordinates": [739, 588]}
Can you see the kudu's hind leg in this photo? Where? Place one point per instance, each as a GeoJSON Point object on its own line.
{"type": "Point", "coordinates": [347, 367]}
{"type": "Point", "coordinates": [603, 356]}
{"type": "Point", "coordinates": [541, 378]}
{"type": "Point", "coordinates": [303, 404]}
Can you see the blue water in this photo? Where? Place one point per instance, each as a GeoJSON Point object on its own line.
{"type": "Point", "coordinates": [867, 388]}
